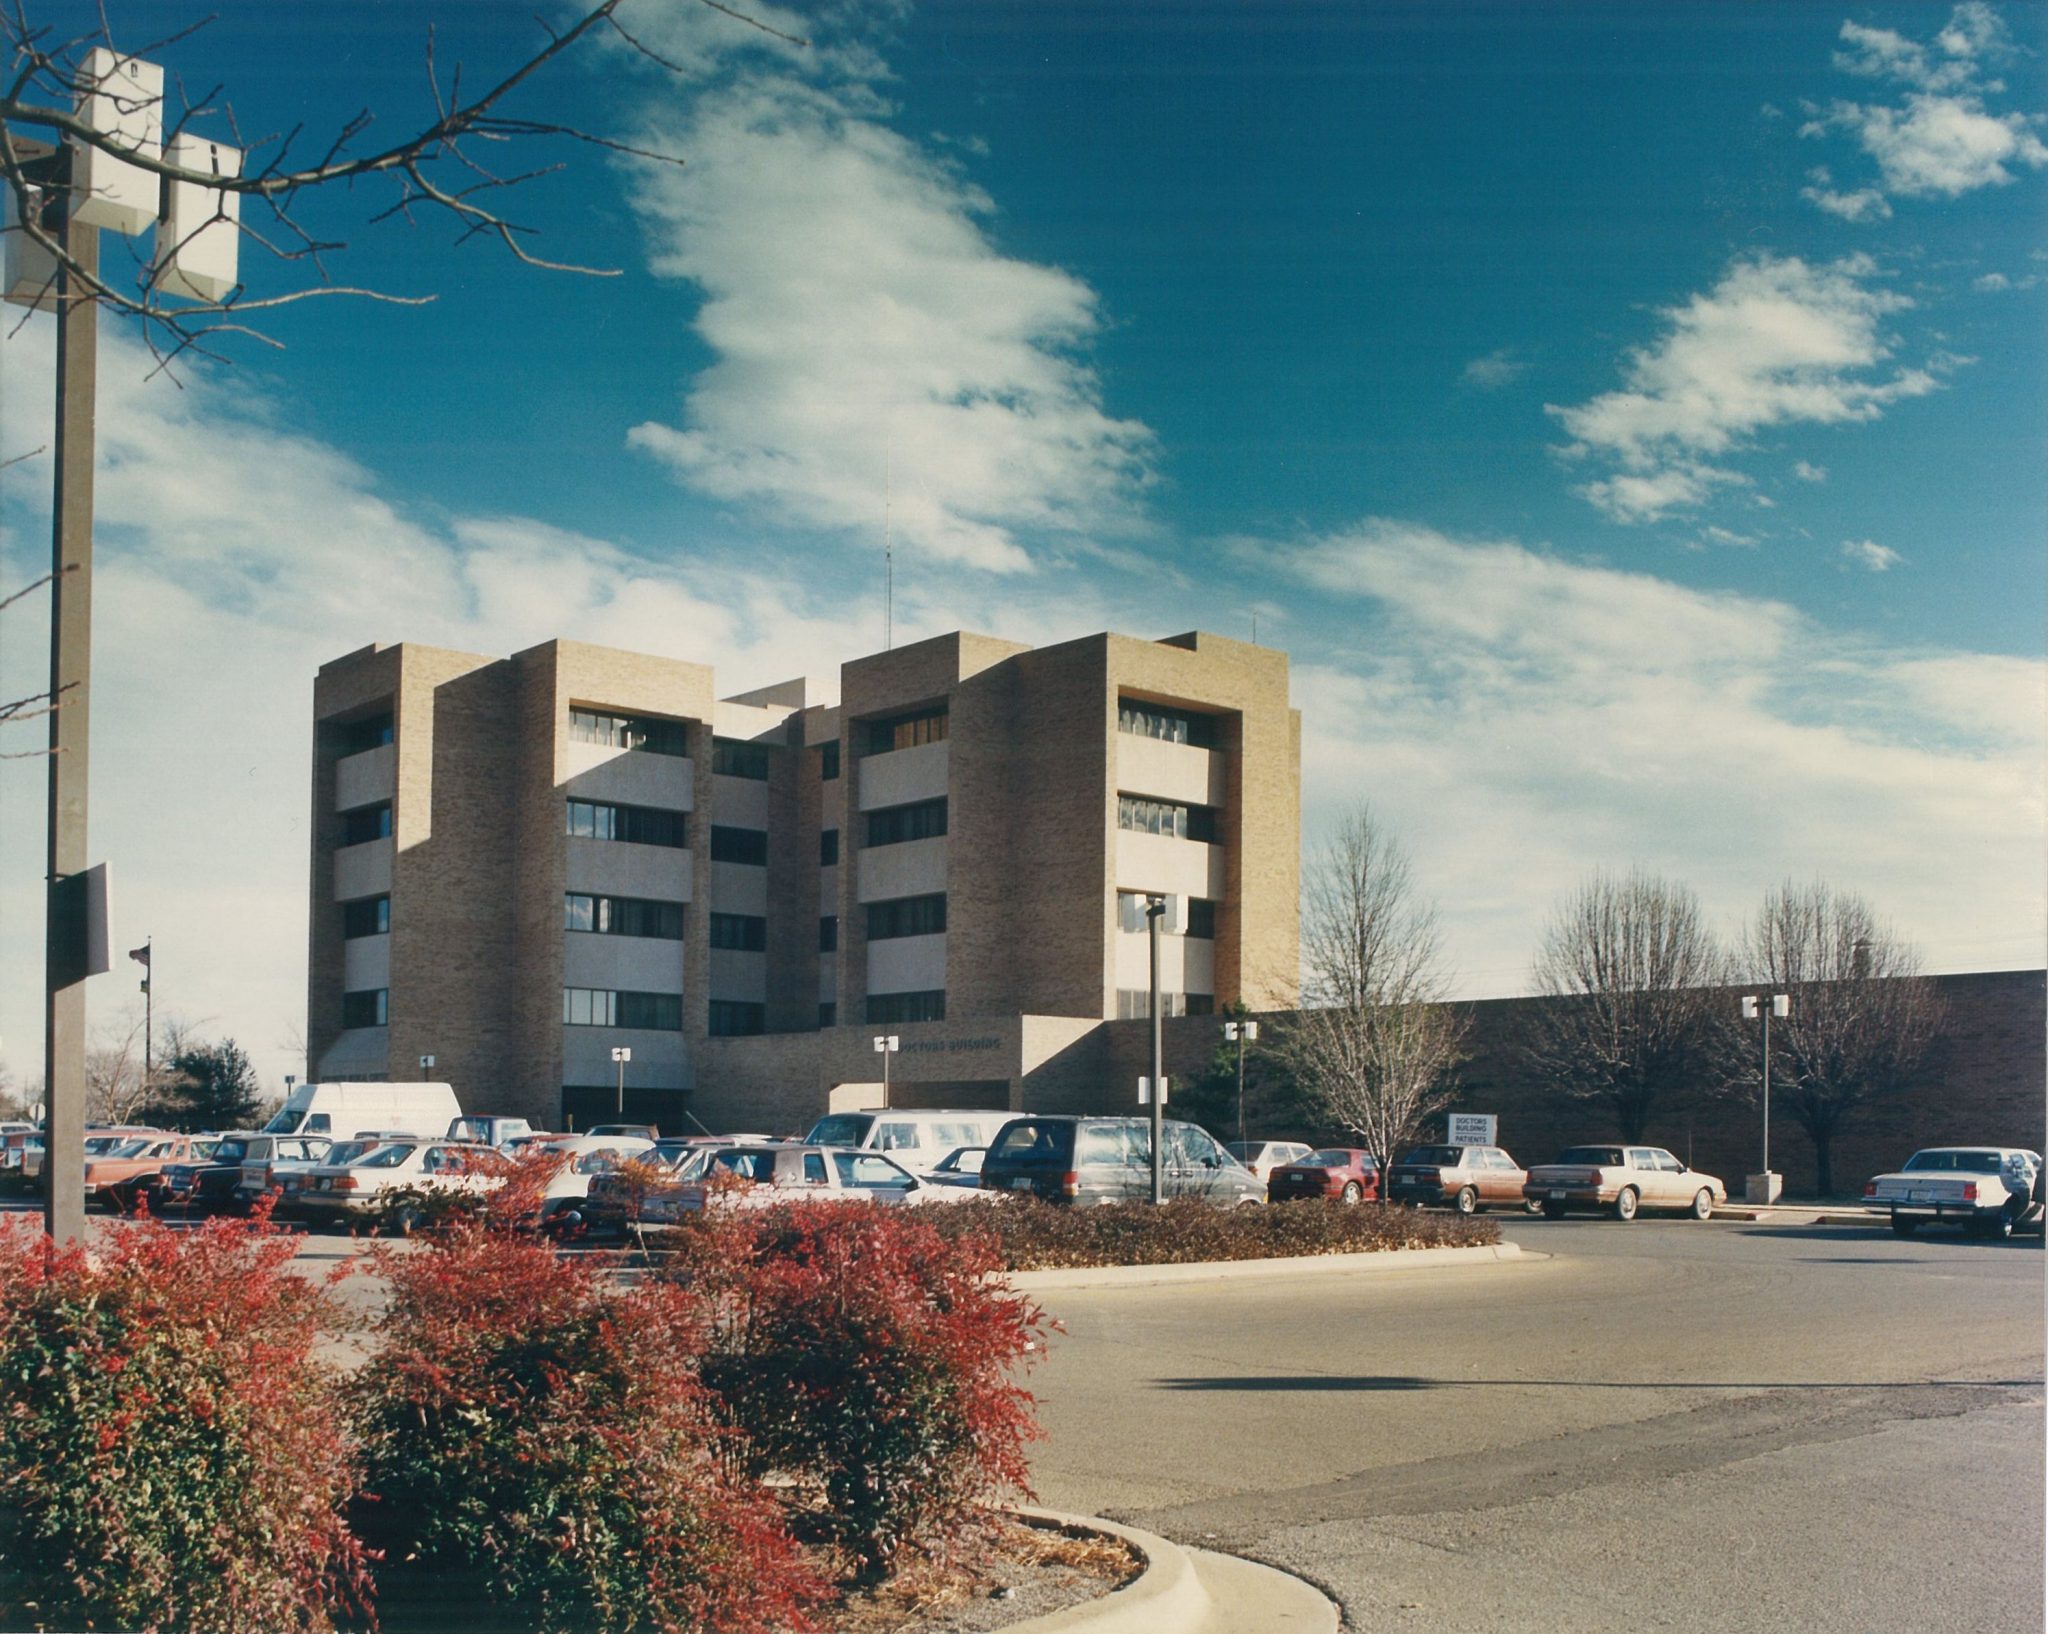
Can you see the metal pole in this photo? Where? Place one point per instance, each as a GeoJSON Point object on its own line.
{"type": "Point", "coordinates": [1240, 1083]}
{"type": "Point", "coordinates": [148, 1011]}
{"type": "Point", "coordinates": [885, 1077]}
{"type": "Point", "coordinates": [1766, 1007]}
{"type": "Point", "coordinates": [622, 1088]}
{"type": "Point", "coordinates": [1155, 910]}
{"type": "Point", "coordinates": [70, 676]}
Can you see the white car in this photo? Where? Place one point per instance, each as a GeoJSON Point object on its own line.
{"type": "Point", "coordinates": [1622, 1179]}
{"type": "Point", "coordinates": [383, 1185]}
{"type": "Point", "coordinates": [565, 1200]}
{"type": "Point", "coordinates": [1987, 1190]}
{"type": "Point", "coordinates": [1262, 1157]}
{"type": "Point", "coordinates": [757, 1176]}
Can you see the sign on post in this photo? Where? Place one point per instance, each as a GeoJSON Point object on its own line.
{"type": "Point", "coordinates": [1145, 1091]}
{"type": "Point", "coordinates": [1473, 1128]}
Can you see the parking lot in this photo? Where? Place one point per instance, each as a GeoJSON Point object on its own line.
{"type": "Point", "coordinates": [1662, 1424]}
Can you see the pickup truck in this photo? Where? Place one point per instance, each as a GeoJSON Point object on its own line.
{"type": "Point", "coordinates": [1984, 1189]}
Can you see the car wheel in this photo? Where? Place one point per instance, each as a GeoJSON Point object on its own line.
{"type": "Point", "coordinates": [1552, 1211]}
{"type": "Point", "coordinates": [1353, 1191]}
{"type": "Point", "coordinates": [403, 1222]}
{"type": "Point", "coordinates": [2008, 1218]}
{"type": "Point", "coordinates": [1703, 1204]}
{"type": "Point", "coordinates": [1625, 1204]}
{"type": "Point", "coordinates": [1531, 1205]}
{"type": "Point", "coordinates": [1904, 1227]}
{"type": "Point", "coordinates": [1466, 1202]}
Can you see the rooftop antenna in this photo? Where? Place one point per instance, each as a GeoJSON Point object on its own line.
{"type": "Point", "coordinates": [888, 552]}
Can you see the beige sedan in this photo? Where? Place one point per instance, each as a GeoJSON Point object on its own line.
{"type": "Point", "coordinates": [1625, 1179]}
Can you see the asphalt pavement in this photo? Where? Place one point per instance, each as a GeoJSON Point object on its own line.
{"type": "Point", "coordinates": [1731, 1425]}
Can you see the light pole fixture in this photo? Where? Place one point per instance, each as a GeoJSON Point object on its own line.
{"type": "Point", "coordinates": [77, 189]}
{"type": "Point", "coordinates": [621, 1054]}
{"type": "Point", "coordinates": [426, 1066]}
{"type": "Point", "coordinates": [1243, 1033]}
{"type": "Point", "coordinates": [1161, 913]}
{"type": "Point", "coordinates": [1755, 1005]}
{"type": "Point", "coordinates": [886, 1045]}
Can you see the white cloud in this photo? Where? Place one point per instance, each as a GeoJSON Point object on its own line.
{"type": "Point", "coordinates": [1939, 140]}
{"type": "Point", "coordinates": [1865, 204]}
{"type": "Point", "coordinates": [1495, 370]}
{"type": "Point", "coordinates": [868, 332]}
{"type": "Point", "coordinates": [1520, 720]}
{"type": "Point", "coordinates": [1806, 471]}
{"type": "Point", "coordinates": [1730, 538]}
{"type": "Point", "coordinates": [1869, 555]}
{"type": "Point", "coordinates": [1776, 342]}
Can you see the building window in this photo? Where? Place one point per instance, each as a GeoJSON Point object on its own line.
{"type": "Point", "coordinates": [739, 932]}
{"type": "Point", "coordinates": [648, 732]}
{"type": "Point", "coordinates": [1135, 1004]}
{"type": "Point", "coordinates": [828, 933]}
{"type": "Point", "coordinates": [735, 757]}
{"type": "Point", "coordinates": [747, 845]}
{"type": "Point", "coordinates": [1144, 816]}
{"type": "Point", "coordinates": [828, 1014]}
{"type": "Point", "coordinates": [367, 916]}
{"type": "Point", "coordinates": [600, 1007]}
{"type": "Point", "coordinates": [828, 848]}
{"type": "Point", "coordinates": [369, 1008]}
{"type": "Point", "coordinates": [366, 823]}
{"type": "Point", "coordinates": [1168, 725]}
{"type": "Point", "coordinates": [906, 916]}
{"type": "Point", "coordinates": [906, 731]}
{"type": "Point", "coordinates": [1130, 914]}
{"type": "Point", "coordinates": [892, 1007]}
{"type": "Point", "coordinates": [372, 732]}
{"type": "Point", "coordinates": [735, 1018]}
{"type": "Point", "coordinates": [828, 761]}
{"type": "Point", "coordinates": [637, 825]}
{"type": "Point", "coordinates": [895, 824]}
{"type": "Point", "coordinates": [1202, 922]}
{"type": "Point", "coordinates": [622, 916]}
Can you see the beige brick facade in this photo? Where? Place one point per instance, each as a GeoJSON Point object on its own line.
{"type": "Point", "coordinates": [1027, 762]}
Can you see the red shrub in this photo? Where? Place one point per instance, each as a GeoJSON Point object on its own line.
{"type": "Point", "coordinates": [868, 1358]}
{"type": "Point", "coordinates": [528, 1421]}
{"type": "Point", "coordinates": [170, 1456]}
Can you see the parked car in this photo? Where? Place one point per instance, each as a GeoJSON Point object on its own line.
{"type": "Point", "coordinates": [916, 1137]}
{"type": "Point", "coordinates": [422, 1110]}
{"type": "Point", "coordinates": [641, 1131]}
{"type": "Point", "coordinates": [1064, 1158]}
{"type": "Point", "coordinates": [1468, 1178]}
{"type": "Point", "coordinates": [383, 1186]}
{"type": "Point", "coordinates": [21, 1159]}
{"type": "Point", "coordinates": [204, 1184]}
{"type": "Point", "coordinates": [961, 1167]}
{"type": "Point", "coordinates": [1262, 1157]}
{"type": "Point", "coordinates": [488, 1129]}
{"type": "Point", "coordinates": [1342, 1172]}
{"type": "Point", "coordinates": [1987, 1190]}
{"type": "Point", "coordinates": [755, 1176]}
{"type": "Point", "coordinates": [1626, 1179]}
{"type": "Point", "coordinates": [564, 1201]}
{"type": "Point", "coordinates": [119, 1175]}
{"type": "Point", "coordinates": [277, 1162]}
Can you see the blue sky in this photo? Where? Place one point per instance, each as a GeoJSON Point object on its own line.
{"type": "Point", "coordinates": [1629, 418]}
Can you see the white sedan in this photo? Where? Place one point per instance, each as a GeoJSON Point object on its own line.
{"type": "Point", "coordinates": [760, 1175]}
{"type": "Point", "coordinates": [1987, 1190]}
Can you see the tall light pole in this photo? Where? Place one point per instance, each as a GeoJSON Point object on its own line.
{"type": "Point", "coordinates": [1766, 1006]}
{"type": "Point", "coordinates": [1156, 909]}
{"type": "Point", "coordinates": [886, 1046]}
{"type": "Point", "coordinates": [82, 188]}
{"type": "Point", "coordinates": [621, 1054]}
{"type": "Point", "coordinates": [1243, 1032]}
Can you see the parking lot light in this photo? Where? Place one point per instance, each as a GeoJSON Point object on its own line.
{"type": "Point", "coordinates": [1765, 1006]}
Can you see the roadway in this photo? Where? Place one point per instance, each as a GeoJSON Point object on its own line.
{"type": "Point", "coordinates": [1664, 1424]}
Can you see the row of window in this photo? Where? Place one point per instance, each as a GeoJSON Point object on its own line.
{"type": "Point", "coordinates": [740, 932]}
{"type": "Point", "coordinates": [828, 847]}
{"type": "Point", "coordinates": [647, 732]}
{"type": "Point", "coordinates": [367, 1007]}
{"type": "Point", "coordinates": [735, 757]}
{"type": "Point", "coordinates": [893, 825]}
{"type": "Point", "coordinates": [893, 1007]}
{"type": "Point", "coordinates": [1169, 725]}
{"type": "Point", "coordinates": [906, 916]}
{"type": "Point", "coordinates": [1130, 914]}
{"type": "Point", "coordinates": [637, 825]}
{"type": "Point", "coordinates": [1143, 816]}
{"type": "Point", "coordinates": [735, 1018]}
{"type": "Point", "coordinates": [602, 1007]}
{"type": "Point", "coordinates": [906, 731]}
{"type": "Point", "coordinates": [622, 916]}
{"type": "Point", "coordinates": [366, 823]}
{"type": "Point", "coordinates": [1135, 1004]}
{"type": "Point", "coordinates": [371, 732]}
{"type": "Point", "coordinates": [366, 916]}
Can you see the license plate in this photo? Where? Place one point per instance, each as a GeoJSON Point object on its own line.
{"type": "Point", "coordinates": [1557, 1197]}
{"type": "Point", "coordinates": [1020, 1182]}
{"type": "Point", "coordinates": [1922, 1195]}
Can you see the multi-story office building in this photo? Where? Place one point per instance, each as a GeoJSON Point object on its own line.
{"type": "Point", "coordinates": [522, 865]}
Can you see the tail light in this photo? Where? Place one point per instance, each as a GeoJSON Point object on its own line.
{"type": "Point", "coordinates": [1870, 1188]}
{"type": "Point", "coordinates": [343, 1182]}
{"type": "Point", "coordinates": [1070, 1184]}
{"type": "Point", "coordinates": [1969, 1191]}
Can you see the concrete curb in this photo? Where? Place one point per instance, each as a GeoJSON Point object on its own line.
{"type": "Point", "coordinates": [1387, 1259]}
{"type": "Point", "coordinates": [1184, 1591]}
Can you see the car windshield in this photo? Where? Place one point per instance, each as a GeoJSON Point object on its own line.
{"type": "Point", "coordinates": [127, 1148]}
{"type": "Point", "coordinates": [1335, 1158]}
{"type": "Point", "coordinates": [840, 1129]}
{"type": "Point", "coordinates": [348, 1151]}
{"type": "Point", "coordinates": [965, 1161]}
{"type": "Point", "coordinates": [1447, 1157]}
{"type": "Point", "coordinates": [597, 1162]}
{"type": "Point", "coordinates": [1954, 1162]}
{"type": "Point", "coordinates": [385, 1157]}
{"type": "Point", "coordinates": [228, 1151]}
{"type": "Point", "coordinates": [1598, 1156]}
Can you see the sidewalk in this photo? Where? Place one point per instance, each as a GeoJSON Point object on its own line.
{"type": "Point", "coordinates": [1796, 1213]}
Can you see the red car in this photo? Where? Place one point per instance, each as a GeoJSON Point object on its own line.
{"type": "Point", "coordinates": [1342, 1172]}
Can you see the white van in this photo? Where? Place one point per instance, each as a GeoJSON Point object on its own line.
{"type": "Point", "coordinates": [918, 1139]}
{"type": "Point", "coordinates": [342, 1109]}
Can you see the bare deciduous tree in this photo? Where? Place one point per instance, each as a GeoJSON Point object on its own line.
{"type": "Point", "coordinates": [1863, 1013]}
{"type": "Point", "coordinates": [1634, 1019]}
{"type": "Point", "coordinates": [1375, 1046]}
